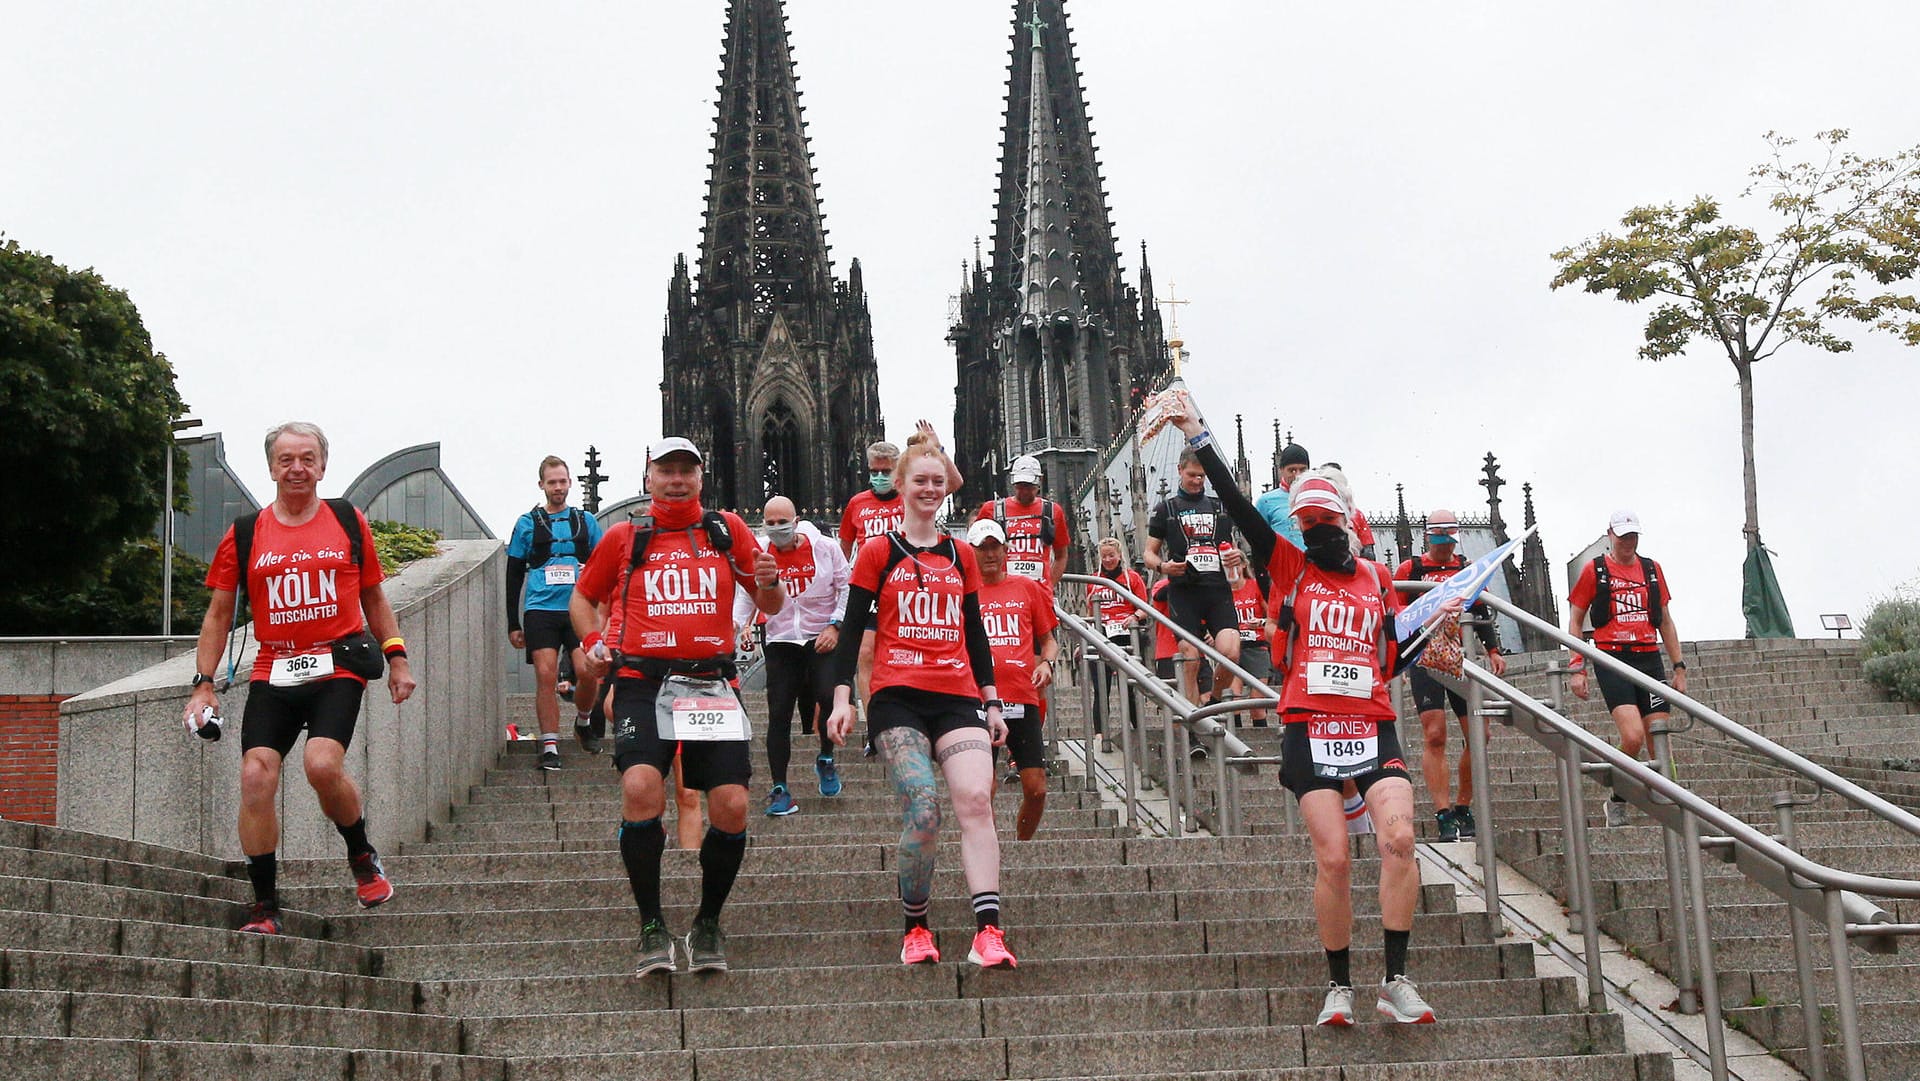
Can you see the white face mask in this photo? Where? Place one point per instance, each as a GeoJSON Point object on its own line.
{"type": "Point", "coordinates": [782, 535]}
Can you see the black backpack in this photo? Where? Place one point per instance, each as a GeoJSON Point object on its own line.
{"type": "Point", "coordinates": [343, 512]}
{"type": "Point", "coordinates": [541, 549]}
{"type": "Point", "coordinates": [1600, 612]}
{"type": "Point", "coordinates": [1046, 519]}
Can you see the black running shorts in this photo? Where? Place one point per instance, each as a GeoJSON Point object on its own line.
{"type": "Point", "coordinates": [930, 713]}
{"type": "Point", "coordinates": [1296, 761]}
{"type": "Point", "coordinates": [705, 765]}
{"type": "Point", "coordinates": [1202, 610]}
{"type": "Point", "coordinates": [275, 716]}
{"type": "Point", "coordinates": [1165, 668]}
{"type": "Point", "coordinates": [548, 630]}
{"type": "Point", "coordinates": [1026, 747]}
{"type": "Point", "coordinates": [1429, 694]}
{"type": "Point", "coordinates": [1619, 691]}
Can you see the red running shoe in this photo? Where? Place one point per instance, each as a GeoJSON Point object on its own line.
{"type": "Point", "coordinates": [990, 949]}
{"type": "Point", "coordinates": [919, 949]}
{"type": "Point", "coordinates": [370, 878]}
{"type": "Point", "coordinates": [262, 919]}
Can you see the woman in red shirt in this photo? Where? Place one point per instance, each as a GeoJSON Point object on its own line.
{"type": "Point", "coordinates": [1337, 651]}
{"type": "Point", "coordinates": [933, 694]}
{"type": "Point", "coordinates": [1116, 618]}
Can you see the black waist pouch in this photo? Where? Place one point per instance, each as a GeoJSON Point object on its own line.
{"type": "Point", "coordinates": [361, 655]}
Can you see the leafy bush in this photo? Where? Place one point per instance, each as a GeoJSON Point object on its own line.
{"type": "Point", "coordinates": [121, 596]}
{"type": "Point", "coordinates": [1891, 636]}
{"type": "Point", "coordinates": [399, 544]}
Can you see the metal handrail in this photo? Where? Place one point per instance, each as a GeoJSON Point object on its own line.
{"type": "Point", "coordinates": [1807, 886]}
{"type": "Point", "coordinates": [1853, 793]}
{"type": "Point", "coordinates": [1145, 607]}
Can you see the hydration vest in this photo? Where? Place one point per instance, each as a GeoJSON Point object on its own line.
{"type": "Point", "coordinates": [1046, 519]}
{"type": "Point", "coordinates": [1600, 612]}
{"type": "Point", "coordinates": [541, 550]}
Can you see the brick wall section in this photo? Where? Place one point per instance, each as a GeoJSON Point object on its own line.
{"type": "Point", "coordinates": [29, 756]}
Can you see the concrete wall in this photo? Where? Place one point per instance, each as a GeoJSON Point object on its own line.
{"type": "Point", "coordinates": [36, 675]}
{"type": "Point", "coordinates": [128, 768]}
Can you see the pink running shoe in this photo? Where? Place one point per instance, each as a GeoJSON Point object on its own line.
{"type": "Point", "coordinates": [990, 949]}
{"type": "Point", "coordinates": [370, 882]}
{"type": "Point", "coordinates": [919, 949]}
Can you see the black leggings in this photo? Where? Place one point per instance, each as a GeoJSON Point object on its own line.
{"type": "Point", "coordinates": [797, 675]}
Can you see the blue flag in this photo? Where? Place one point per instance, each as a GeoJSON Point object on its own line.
{"type": "Point", "coordinates": [1466, 585]}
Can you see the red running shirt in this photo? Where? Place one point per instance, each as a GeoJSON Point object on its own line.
{"type": "Point", "coordinates": [1252, 610]}
{"type": "Point", "coordinates": [920, 635]}
{"type": "Point", "coordinates": [1336, 667]}
{"type": "Point", "coordinates": [303, 587]}
{"type": "Point", "coordinates": [1018, 613]}
{"type": "Point", "coordinates": [867, 516]}
{"type": "Point", "coordinates": [1164, 645]}
{"type": "Point", "coordinates": [679, 602]}
{"type": "Point", "coordinates": [1109, 607]}
{"type": "Point", "coordinates": [1629, 628]}
{"type": "Point", "coordinates": [1026, 555]}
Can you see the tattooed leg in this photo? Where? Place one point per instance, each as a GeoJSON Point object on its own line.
{"type": "Point", "coordinates": [910, 765]}
{"type": "Point", "coordinates": [1390, 803]}
{"type": "Point", "coordinates": [966, 759]}
{"type": "Point", "coordinates": [1333, 871]}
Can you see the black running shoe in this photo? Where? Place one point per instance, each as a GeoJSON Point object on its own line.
{"type": "Point", "coordinates": [549, 759]}
{"type": "Point", "coordinates": [589, 742]}
{"type": "Point", "coordinates": [706, 947]}
{"type": "Point", "coordinates": [656, 949]}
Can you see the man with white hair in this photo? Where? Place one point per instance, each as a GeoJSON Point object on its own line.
{"type": "Point", "coordinates": [800, 642]}
{"type": "Point", "coordinates": [1626, 596]}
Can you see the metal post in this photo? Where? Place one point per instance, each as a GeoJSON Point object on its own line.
{"type": "Point", "coordinates": [166, 548]}
{"type": "Point", "coordinates": [1583, 883]}
{"type": "Point", "coordinates": [1129, 713]}
{"type": "Point", "coordinates": [1185, 762]}
{"type": "Point", "coordinates": [1843, 987]}
{"type": "Point", "coordinates": [1703, 933]}
{"type": "Point", "coordinates": [1677, 864]}
{"type": "Point", "coordinates": [1223, 824]}
{"type": "Point", "coordinates": [1483, 804]}
{"type": "Point", "coordinates": [1171, 780]}
{"type": "Point", "coordinates": [1803, 955]}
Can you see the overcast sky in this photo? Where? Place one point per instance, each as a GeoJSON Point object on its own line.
{"type": "Point", "coordinates": [456, 222]}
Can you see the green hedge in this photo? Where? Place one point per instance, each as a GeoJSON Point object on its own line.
{"type": "Point", "coordinates": [399, 544]}
{"type": "Point", "coordinates": [1891, 635]}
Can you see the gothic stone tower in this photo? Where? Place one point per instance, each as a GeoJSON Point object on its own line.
{"type": "Point", "coordinates": [768, 360]}
{"type": "Point", "coordinates": [1053, 348]}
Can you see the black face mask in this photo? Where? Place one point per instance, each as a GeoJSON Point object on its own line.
{"type": "Point", "coordinates": [1327, 547]}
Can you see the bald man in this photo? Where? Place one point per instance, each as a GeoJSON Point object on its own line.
{"type": "Point", "coordinates": [800, 644]}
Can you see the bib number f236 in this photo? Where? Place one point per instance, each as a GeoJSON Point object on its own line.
{"type": "Point", "coordinates": [301, 668]}
{"type": "Point", "coordinates": [1349, 679]}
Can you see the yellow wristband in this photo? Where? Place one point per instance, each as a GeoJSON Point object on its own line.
{"type": "Point", "coordinates": [396, 640]}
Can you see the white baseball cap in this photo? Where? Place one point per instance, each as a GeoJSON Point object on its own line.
{"type": "Point", "coordinates": [1025, 470]}
{"type": "Point", "coordinates": [983, 530]}
{"type": "Point", "coordinates": [1623, 522]}
{"type": "Point", "coordinates": [673, 444]}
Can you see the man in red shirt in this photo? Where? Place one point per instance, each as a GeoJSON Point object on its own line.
{"type": "Point", "coordinates": [1631, 622]}
{"type": "Point", "coordinates": [1036, 547]}
{"type": "Point", "coordinates": [307, 594]}
{"type": "Point", "coordinates": [1020, 622]}
{"type": "Point", "coordinates": [1440, 561]}
{"type": "Point", "coordinates": [668, 580]}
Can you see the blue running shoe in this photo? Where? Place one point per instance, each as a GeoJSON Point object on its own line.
{"type": "Point", "coordinates": [829, 775]}
{"type": "Point", "coordinates": [780, 802]}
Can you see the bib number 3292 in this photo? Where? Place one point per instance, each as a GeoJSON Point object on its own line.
{"type": "Point", "coordinates": [701, 711]}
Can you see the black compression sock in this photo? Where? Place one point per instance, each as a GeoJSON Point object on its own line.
{"type": "Point", "coordinates": [641, 844]}
{"type": "Point", "coordinates": [916, 912]}
{"type": "Point", "coordinates": [1340, 966]}
{"type": "Point", "coordinates": [356, 838]}
{"type": "Point", "coordinates": [1397, 952]}
{"type": "Point", "coordinates": [264, 872]}
{"type": "Point", "coordinates": [720, 856]}
{"type": "Point", "coordinates": [986, 910]}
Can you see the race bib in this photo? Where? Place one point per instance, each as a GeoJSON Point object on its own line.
{"type": "Point", "coordinates": [699, 711]}
{"type": "Point", "coordinates": [559, 574]}
{"type": "Point", "coordinates": [1344, 678]}
{"type": "Point", "coordinates": [1115, 628]}
{"type": "Point", "coordinates": [1249, 635]}
{"type": "Point", "coordinates": [1205, 559]}
{"type": "Point", "coordinates": [1009, 711]}
{"type": "Point", "coordinates": [1343, 747]}
{"type": "Point", "coordinates": [1027, 568]}
{"type": "Point", "coordinates": [301, 668]}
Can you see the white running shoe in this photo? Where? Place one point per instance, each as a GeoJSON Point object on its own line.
{"type": "Point", "coordinates": [1338, 1009]}
{"type": "Point", "coordinates": [1400, 1001]}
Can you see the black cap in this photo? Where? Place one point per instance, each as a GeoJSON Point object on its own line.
{"type": "Point", "coordinates": [1294, 454]}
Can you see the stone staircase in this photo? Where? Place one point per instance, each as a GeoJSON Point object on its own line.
{"type": "Point", "coordinates": [508, 949]}
{"type": "Point", "coordinates": [1810, 697]}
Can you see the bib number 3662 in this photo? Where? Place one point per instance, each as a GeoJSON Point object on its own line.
{"type": "Point", "coordinates": [301, 668]}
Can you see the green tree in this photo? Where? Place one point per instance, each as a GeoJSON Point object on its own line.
{"type": "Point", "coordinates": [86, 408]}
{"type": "Point", "coordinates": [1849, 233]}
{"type": "Point", "coordinates": [119, 595]}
